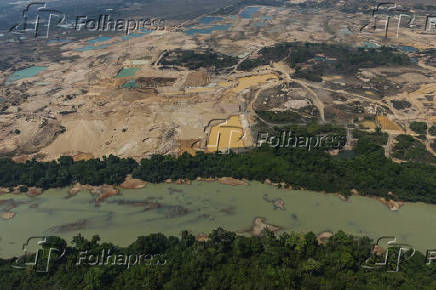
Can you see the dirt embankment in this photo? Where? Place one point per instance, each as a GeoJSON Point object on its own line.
{"type": "Point", "coordinates": [222, 180]}
{"type": "Point", "coordinates": [102, 191]}
{"type": "Point", "coordinates": [7, 215]}
{"type": "Point", "coordinates": [10, 204]}
{"type": "Point", "coordinates": [178, 181]}
{"type": "Point", "coordinates": [282, 185]}
{"type": "Point", "coordinates": [6, 207]}
{"type": "Point", "coordinates": [105, 191]}
{"type": "Point", "coordinates": [231, 181]}
{"type": "Point", "coordinates": [202, 238]}
{"type": "Point", "coordinates": [4, 190]}
{"type": "Point", "coordinates": [277, 203]}
{"type": "Point", "coordinates": [32, 191]}
{"type": "Point", "coordinates": [343, 197]}
{"type": "Point", "coordinates": [259, 225]}
{"type": "Point", "coordinates": [132, 183]}
{"type": "Point", "coordinates": [323, 237]}
{"type": "Point", "coordinates": [391, 204]}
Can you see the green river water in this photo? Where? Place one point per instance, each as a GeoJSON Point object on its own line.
{"type": "Point", "coordinates": [202, 207]}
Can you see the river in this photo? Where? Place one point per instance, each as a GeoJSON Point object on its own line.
{"type": "Point", "coordinates": [202, 207]}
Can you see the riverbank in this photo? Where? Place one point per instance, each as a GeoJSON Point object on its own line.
{"type": "Point", "coordinates": [102, 192]}
{"type": "Point", "coordinates": [369, 172]}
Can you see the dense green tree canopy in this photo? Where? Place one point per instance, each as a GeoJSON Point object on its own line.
{"type": "Point", "coordinates": [226, 261]}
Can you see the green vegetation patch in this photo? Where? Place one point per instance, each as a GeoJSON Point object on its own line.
{"type": "Point", "coordinates": [433, 145]}
{"type": "Point", "coordinates": [312, 74]}
{"type": "Point", "coordinates": [419, 127]}
{"type": "Point", "coordinates": [197, 59]}
{"type": "Point", "coordinates": [313, 60]}
{"type": "Point", "coordinates": [401, 104]}
{"type": "Point", "coordinates": [225, 261]}
{"type": "Point", "coordinates": [378, 137]}
{"type": "Point", "coordinates": [410, 149]}
{"type": "Point", "coordinates": [281, 117]}
{"type": "Point", "coordinates": [432, 130]}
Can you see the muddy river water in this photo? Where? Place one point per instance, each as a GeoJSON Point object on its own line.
{"type": "Point", "coordinates": [202, 207]}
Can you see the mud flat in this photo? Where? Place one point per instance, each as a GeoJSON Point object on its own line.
{"type": "Point", "coordinates": [250, 81]}
{"type": "Point", "coordinates": [224, 180]}
{"type": "Point", "coordinates": [323, 237]}
{"type": "Point", "coordinates": [259, 225]}
{"type": "Point", "coordinates": [7, 215]}
{"type": "Point", "coordinates": [386, 124]}
{"type": "Point", "coordinates": [231, 181]}
{"type": "Point", "coordinates": [32, 191]}
{"type": "Point", "coordinates": [132, 183]}
{"type": "Point", "coordinates": [4, 190]}
{"type": "Point", "coordinates": [102, 191]}
{"type": "Point", "coordinates": [277, 203]}
{"type": "Point", "coordinates": [391, 204]}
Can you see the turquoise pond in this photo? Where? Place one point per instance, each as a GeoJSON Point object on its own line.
{"type": "Point", "coordinates": [92, 43]}
{"type": "Point", "coordinates": [248, 12]}
{"type": "Point", "coordinates": [127, 72]}
{"type": "Point", "coordinates": [405, 48]}
{"type": "Point", "coordinates": [42, 83]}
{"type": "Point", "coordinates": [367, 44]}
{"type": "Point", "coordinates": [99, 39]}
{"type": "Point", "coordinates": [88, 47]}
{"type": "Point", "coordinates": [130, 84]}
{"type": "Point", "coordinates": [26, 73]}
{"type": "Point", "coordinates": [138, 34]}
{"type": "Point", "coordinates": [321, 58]}
{"type": "Point", "coordinates": [265, 21]}
{"type": "Point", "coordinates": [58, 41]}
{"type": "Point", "coordinates": [259, 24]}
{"type": "Point", "coordinates": [209, 19]}
{"type": "Point", "coordinates": [208, 30]}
